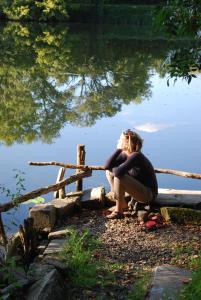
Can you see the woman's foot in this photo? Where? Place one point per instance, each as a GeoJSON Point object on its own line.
{"type": "Point", "coordinates": [113, 208]}
{"type": "Point", "coordinates": [115, 215]}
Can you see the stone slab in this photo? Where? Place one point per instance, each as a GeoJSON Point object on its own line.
{"type": "Point", "coordinates": [167, 282]}
{"type": "Point", "coordinates": [49, 287]}
{"type": "Point", "coordinates": [54, 246]}
{"type": "Point", "coordinates": [65, 207]}
{"type": "Point", "coordinates": [93, 198]}
{"type": "Point", "coordinates": [44, 216]}
{"type": "Point", "coordinates": [58, 234]}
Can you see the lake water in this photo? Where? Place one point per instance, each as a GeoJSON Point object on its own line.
{"type": "Point", "coordinates": [63, 86]}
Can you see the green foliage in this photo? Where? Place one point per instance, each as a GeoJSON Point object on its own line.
{"type": "Point", "coordinates": [184, 63]}
{"type": "Point", "coordinates": [19, 183]}
{"type": "Point", "coordinates": [77, 252]}
{"type": "Point", "coordinates": [13, 195]}
{"type": "Point", "coordinates": [85, 269]}
{"type": "Point", "coordinates": [140, 287]}
{"type": "Point", "coordinates": [37, 200]}
{"type": "Point", "coordinates": [8, 270]}
{"type": "Point", "coordinates": [193, 290]}
{"type": "Point", "coordinates": [35, 10]}
{"type": "Point", "coordinates": [180, 17]}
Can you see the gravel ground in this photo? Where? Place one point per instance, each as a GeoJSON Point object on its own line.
{"type": "Point", "coordinates": [125, 241]}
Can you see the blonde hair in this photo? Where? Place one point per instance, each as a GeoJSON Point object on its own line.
{"type": "Point", "coordinates": [134, 141]}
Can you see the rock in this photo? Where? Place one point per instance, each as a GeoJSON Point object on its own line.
{"type": "Point", "coordinates": [181, 215]}
{"type": "Point", "coordinates": [59, 234]}
{"type": "Point", "coordinates": [44, 216]}
{"type": "Point", "coordinates": [167, 282]}
{"type": "Point", "coordinates": [93, 198]}
{"type": "Point", "coordinates": [50, 287]}
{"type": "Point", "coordinates": [42, 246]}
{"type": "Point", "coordinates": [39, 270]}
{"type": "Point", "coordinates": [54, 246]}
{"type": "Point", "coordinates": [57, 263]}
{"type": "Point", "coordinates": [65, 207]}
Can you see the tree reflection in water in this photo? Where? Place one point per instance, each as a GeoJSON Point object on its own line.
{"type": "Point", "coordinates": [52, 75]}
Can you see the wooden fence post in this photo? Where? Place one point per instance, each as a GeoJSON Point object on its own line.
{"type": "Point", "coordinates": [60, 193]}
{"type": "Point", "coordinates": [2, 233]}
{"type": "Point", "coordinates": [80, 161]}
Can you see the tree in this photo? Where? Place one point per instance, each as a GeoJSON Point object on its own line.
{"type": "Point", "coordinates": [35, 10]}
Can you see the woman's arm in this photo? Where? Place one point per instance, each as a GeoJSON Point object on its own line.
{"type": "Point", "coordinates": [126, 166]}
{"type": "Point", "coordinates": [113, 160]}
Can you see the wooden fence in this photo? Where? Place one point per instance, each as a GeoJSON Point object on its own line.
{"type": "Point", "coordinates": [82, 171]}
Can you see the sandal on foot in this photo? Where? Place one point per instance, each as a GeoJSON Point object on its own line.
{"type": "Point", "coordinates": [112, 209]}
{"type": "Point", "coordinates": [115, 215]}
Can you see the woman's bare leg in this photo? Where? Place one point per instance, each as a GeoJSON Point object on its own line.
{"type": "Point", "coordinates": [110, 178]}
{"type": "Point", "coordinates": [119, 193]}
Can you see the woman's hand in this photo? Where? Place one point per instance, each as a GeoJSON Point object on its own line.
{"type": "Point", "coordinates": [121, 142]}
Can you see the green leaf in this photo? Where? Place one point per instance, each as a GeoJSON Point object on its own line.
{"type": "Point", "coordinates": [36, 200]}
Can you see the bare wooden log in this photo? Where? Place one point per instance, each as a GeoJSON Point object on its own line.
{"type": "Point", "coordinates": [73, 166]}
{"type": "Point", "coordinates": [80, 161]}
{"type": "Point", "coordinates": [2, 232]}
{"type": "Point", "coordinates": [174, 197]}
{"type": "Point", "coordinates": [67, 166]}
{"type": "Point", "coordinates": [178, 173]}
{"type": "Point", "coordinates": [23, 239]}
{"type": "Point", "coordinates": [41, 191]}
{"type": "Point", "coordinates": [60, 193]}
{"type": "Point", "coordinates": [32, 235]}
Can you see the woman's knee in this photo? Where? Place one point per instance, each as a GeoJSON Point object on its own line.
{"type": "Point", "coordinates": [109, 174]}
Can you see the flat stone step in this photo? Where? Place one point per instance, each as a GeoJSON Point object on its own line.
{"type": "Point", "coordinates": [54, 246]}
{"type": "Point", "coordinates": [59, 234]}
{"type": "Point", "coordinates": [167, 282]}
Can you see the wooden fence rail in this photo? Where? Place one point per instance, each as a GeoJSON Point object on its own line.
{"type": "Point", "coordinates": [82, 167]}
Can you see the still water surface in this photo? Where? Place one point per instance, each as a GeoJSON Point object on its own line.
{"type": "Point", "coordinates": [61, 87]}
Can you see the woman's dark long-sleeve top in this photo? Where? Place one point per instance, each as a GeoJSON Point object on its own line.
{"type": "Point", "coordinates": [136, 165]}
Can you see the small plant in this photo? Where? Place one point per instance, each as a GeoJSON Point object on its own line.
{"type": "Point", "coordinates": [184, 255]}
{"type": "Point", "coordinates": [193, 290]}
{"type": "Point", "coordinates": [19, 178]}
{"type": "Point", "coordinates": [7, 273]}
{"type": "Point", "coordinates": [13, 196]}
{"type": "Point", "coordinates": [141, 286]}
{"type": "Point", "coordinates": [79, 252]}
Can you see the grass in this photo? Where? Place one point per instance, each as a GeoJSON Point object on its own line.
{"type": "Point", "coordinates": [88, 270]}
{"type": "Point", "coordinates": [185, 255]}
{"type": "Point", "coordinates": [141, 286]}
{"type": "Point", "coordinates": [81, 255]}
{"type": "Point", "coordinates": [193, 290]}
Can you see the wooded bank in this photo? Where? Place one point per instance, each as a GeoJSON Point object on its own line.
{"type": "Point", "coordinates": [85, 167]}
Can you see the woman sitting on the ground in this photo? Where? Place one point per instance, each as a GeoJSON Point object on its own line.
{"type": "Point", "coordinates": [129, 170]}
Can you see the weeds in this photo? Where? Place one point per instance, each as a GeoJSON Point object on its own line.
{"type": "Point", "coordinates": [87, 270]}
{"type": "Point", "coordinates": [8, 270]}
{"type": "Point", "coordinates": [193, 290]}
{"type": "Point", "coordinates": [185, 255]}
{"type": "Point", "coordinates": [141, 286]}
{"type": "Point", "coordinates": [79, 254]}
